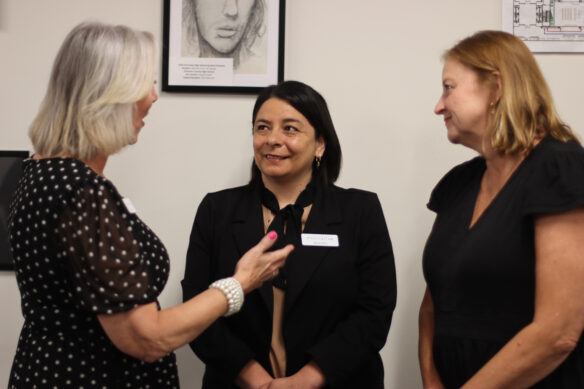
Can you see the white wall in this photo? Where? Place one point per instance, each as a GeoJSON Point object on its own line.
{"type": "Point", "coordinates": [375, 61]}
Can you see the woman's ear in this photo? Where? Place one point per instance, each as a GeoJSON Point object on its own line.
{"type": "Point", "coordinates": [320, 147]}
{"type": "Point", "coordinates": [498, 86]}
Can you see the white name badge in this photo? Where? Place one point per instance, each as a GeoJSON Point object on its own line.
{"type": "Point", "coordinates": [320, 240]}
{"type": "Point", "coordinates": [129, 205]}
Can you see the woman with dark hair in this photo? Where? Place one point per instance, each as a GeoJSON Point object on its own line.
{"type": "Point", "coordinates": [324, 317]}
{"type": "Point", "coordinates": [504, 263]}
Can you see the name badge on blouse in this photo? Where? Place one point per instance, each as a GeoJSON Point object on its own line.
{"type": "Point", "coordinates": [129, 205]}
{"type": "Point", "coordinates": [320, 240]}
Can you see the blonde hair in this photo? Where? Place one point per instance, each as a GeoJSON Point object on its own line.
{"type": "Point", "coordinates": [525, 111]}
{"type": "Point", "coordinates": [100, 72]}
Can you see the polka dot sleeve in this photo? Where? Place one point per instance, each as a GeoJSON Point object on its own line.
{"type": "Point", "coordinates": [104, 257]}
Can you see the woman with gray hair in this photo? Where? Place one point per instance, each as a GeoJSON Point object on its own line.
{"type": "Point", "coordinates": [88, 269]}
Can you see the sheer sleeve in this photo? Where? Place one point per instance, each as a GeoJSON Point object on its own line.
{"type": "Point", "coordinates": [104, 258]}
{"type": "Point", "coordinates": [557, 183]}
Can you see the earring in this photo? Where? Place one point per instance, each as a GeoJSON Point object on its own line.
{"type": "Point", "coordinates": [317, 160]}
{"type": "Point", "coordinates": [492, 107]}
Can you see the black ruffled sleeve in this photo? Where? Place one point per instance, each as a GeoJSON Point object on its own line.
{"type": "Point", "coordinates": [557, 182]}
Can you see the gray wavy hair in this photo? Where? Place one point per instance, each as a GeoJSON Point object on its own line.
{"type": "Point", "coordinates": [100, 72]}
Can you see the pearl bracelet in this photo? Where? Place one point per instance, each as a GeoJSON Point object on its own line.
{"type": "Point", "coordinates": [233, 292]}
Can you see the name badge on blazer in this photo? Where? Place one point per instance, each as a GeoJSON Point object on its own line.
{"type": "Point", "coordinates": [320, 240]}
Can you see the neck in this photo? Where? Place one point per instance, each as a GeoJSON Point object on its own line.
{"type": "Point", "coordinates": [286, 192]}
{"type": "Point", "coordinates": [500, 168]}
{"type": "Point", "coordinates": [502, 165]}
{"type": "Point", "coordinates": [97, 164]}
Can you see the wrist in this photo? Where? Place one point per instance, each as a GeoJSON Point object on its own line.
{"type": "Point", "coordinates": [311, 376]}
{"type": "Point", "coordinates": [242, 282]}
{"type": "Point", "coordinates": [233, 292]}
{"type": "Point", "coordinates": [253, 376]}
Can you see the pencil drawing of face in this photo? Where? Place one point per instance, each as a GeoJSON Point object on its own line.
{"type": "Point", "coordinates": [222, 24]}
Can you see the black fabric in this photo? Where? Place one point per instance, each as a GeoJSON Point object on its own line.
{"type": "Point", "coordinates": [287, 223]}
{"type": "Point", "coordinates": [482, 279]}
{"type": "Point", "coordinates": [339, 300]}
{"type": "Point", "coordinates": [80, 252]}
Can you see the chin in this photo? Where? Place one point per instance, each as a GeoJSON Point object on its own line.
{"type": "Point", "coordinates": [271, 174]}
{"type": "Point", "coordinates": [453, 137]}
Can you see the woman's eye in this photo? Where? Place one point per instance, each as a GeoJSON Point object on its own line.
{"type": "Point", "coordinates": [290, 128]}
{"type": "Point", "coordinates": [261, 127]}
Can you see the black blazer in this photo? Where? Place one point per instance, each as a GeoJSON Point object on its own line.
{"type": "Point", "coordinates": [339, 301]}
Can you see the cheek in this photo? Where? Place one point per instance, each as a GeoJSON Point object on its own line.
{"type": "Point", "coordinates": [257, 143]}
{"type": "Point", "coordinates": [296, 145]}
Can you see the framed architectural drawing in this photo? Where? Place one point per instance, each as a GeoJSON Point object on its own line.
{"type": "Point", "coordinates": [546, 26]}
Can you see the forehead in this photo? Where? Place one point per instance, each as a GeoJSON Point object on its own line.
{"type": "Point", "coordinates": [275, 108]}
{"type": "Point", "coordinates": [454, 69]}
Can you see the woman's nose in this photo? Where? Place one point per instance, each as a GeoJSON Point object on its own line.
{"type": "Point", "coordinates": [439, 108]}
{"type": "Point", "coordinates": [273, 137]}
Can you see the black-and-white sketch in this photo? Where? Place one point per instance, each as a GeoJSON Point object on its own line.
{"type": "Point", "coordinates": [227, 29]}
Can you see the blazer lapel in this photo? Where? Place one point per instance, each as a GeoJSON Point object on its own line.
{"type": "Point", "coordinates": [248, 229]}
{"type": "Point", "coordinates": [325, 213]}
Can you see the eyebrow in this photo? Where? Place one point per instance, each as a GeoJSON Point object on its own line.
{"type": "Point", "coordinates": [286, 120]}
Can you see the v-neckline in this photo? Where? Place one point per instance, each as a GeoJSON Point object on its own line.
{"type": "Point", "coordinates": [477, 188]}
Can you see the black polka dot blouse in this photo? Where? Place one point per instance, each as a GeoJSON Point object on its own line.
{"type": "Point", "coordinates": [79, 251]}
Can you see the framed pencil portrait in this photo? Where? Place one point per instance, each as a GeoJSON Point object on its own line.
{"type": "Point", "coordinates": [10, 173]}
{"type": "Point", "coordinates": [222, 46]}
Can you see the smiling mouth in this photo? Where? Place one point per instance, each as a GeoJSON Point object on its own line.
{"type": "Point", "coordinates": [275, 157]}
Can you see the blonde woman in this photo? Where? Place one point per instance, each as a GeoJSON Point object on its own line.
{"type": "Point", "coordinates": [504, 263]}
{"type": "Point", "coordinates": [88, 269]}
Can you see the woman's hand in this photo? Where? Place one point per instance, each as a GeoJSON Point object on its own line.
{"type": "Point", "coordinates": [257, 265]}
{"type": "Point", "coordinates": [291, 382]}
{"type": "Point", "coordinates": [309, 377]}
{"type": "Point", "coordinates": [253, 376]}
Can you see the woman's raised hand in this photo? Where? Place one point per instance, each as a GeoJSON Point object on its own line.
{"type": "Point", "coordinates": [258, 265]}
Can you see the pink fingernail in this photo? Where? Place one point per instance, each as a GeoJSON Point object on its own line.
{"type": "Point", "coordinates": [272, 235]}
